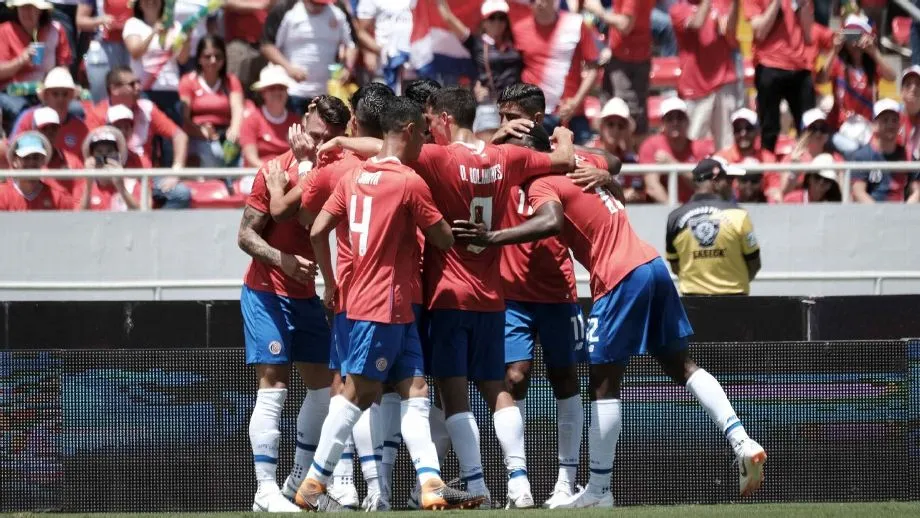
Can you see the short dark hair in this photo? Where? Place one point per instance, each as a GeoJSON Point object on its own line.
{"type": "Point", "coordinates": [399, 112]}
{"type": "Point", "coordinates": [369, 103]}
{"type": "Point", "coordinates": [420, 90]}
{"type": "Point", "coordinates": [112, 76]}
{"type": "Point", "coordinates": [139, 13]}
{"type": "Point", "coordinates": [529, 97]}
{"type": "Point", "coordinates": [331, 110]}
{"type": "Point", "coordinates": [537, 139]}
{"type": "Point", "coordinates": [457, 102]}
{"type": "Point", "coordinates": [217, 42]}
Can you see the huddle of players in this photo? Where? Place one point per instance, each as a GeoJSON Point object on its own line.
{"type": "Point", "coordinates": [470, 206]}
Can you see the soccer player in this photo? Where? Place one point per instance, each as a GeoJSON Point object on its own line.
{"type": "Point", "coordinates": [384, 201]}
{"type": "Point", "coordinates": [284, 321]}
{"type": "Point", "coordinates": [636, 310]}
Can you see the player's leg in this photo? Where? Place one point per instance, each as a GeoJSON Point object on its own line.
{"type": "Point", "coordinates": [268, 345]}
{"type": "Point", "coordinates": [673, 330]}
{"type": "Point", "coordinates": [368, 439]}
{"type": "Point", "coordinates": [561, 330]}
{"type": "Point", "coordinates": [392, 437]}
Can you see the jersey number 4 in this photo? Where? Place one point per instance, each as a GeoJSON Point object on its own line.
{"type": "Point", "coordinates": [480, 212]}
{"type": "Point", "coordinates": [363, 227]}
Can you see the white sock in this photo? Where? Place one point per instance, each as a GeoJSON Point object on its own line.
{"type": "Point", "coordinates": [366, 436]}
{"type": "Point", "coordinates": [439, 434]}
{"type": "Point", "coordinates": [707, 390]}
{"type": "Point", "coordinates": [464, 435]}
{"type": "Point", "coordinates": [417, 435]}
{"type": "Point", "coordinates": [390, 419]}
{"type": "Point", "coordinates": [570, 421]}
{"type": "Point", "coordinates": [509, 428]}
{"type": "Point", "coordinates": [522, 406]}
{"type": "Point", "coordinates": [344, 472]}
{"type": "Point", "coordinates": [606, 423]}
{"type": "Point", "coordinates": [264, 435]}
{"type": "Point", "coordinates": [336, 428]}
{"type": "Point", "coordinates": [310, 419]}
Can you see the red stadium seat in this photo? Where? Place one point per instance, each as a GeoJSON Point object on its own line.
{"type": "Point", "coordinates": [665, 72]}
{"type": "Point", "coordinates": [232, 201]}
{"type": "Point", "coordinates": [900, 29]}
{"type": "Point", "coordinates": [652, 105]}
{"type": "Point", "coordinates": [208, 193]}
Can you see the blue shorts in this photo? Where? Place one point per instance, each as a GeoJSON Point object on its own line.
{"type": "Point", "coordinates": [467, 344]}
{"type": "Point", "coordinates": [559, 326]}
{"type": "Point", "coordinates": [383, 352]}
{"type": "Point", "coordinates": [341, 327]}
{"type": "Point", "coordinates": [642, 314]}
{"type": "Point", "coordinates": [280, 330]}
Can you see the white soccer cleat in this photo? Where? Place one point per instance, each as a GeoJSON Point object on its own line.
{"type": "Point", "coordinates": [273, 502]}
{"type": "Point", "coordinates": [524, 500]}
{"type": "Point", "coordinates": [585, 498]}
{"type": "Point", "coordinates": [561, 493]}
{"type": "Point", "coordinates": [375, 503]}
{"type": "Point", "coordinates": [344, 494]}
{"type": "Point", "coordinates": [751, 458]}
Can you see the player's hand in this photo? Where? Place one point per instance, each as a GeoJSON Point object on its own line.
{"type": "Point", "coordinates": [333, 145]}
{"type": "Point", "coordinates": [330, 294]}
{"type": "Point", "coordinates": [276, 178]}
{"type": "Point", "coordinates": [562, 134]}
{"type": "Point", "coordinates": [566, 110]}
{"type": "Point", "coordinates": [301, 144]}
{"type": "Point", "coordinates": [589, 178]}
{"type": "Point", "coordinates": [470, 233]}
{"type": "Point", "coordinates": [516, 128]}
{"type": "Point", "coordinates": [298, 268]}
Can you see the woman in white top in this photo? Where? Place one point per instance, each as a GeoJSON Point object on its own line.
{"type": "Point", "coordinates": [156, 65]}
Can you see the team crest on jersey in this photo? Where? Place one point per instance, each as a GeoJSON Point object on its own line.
{"type": "Point", "coordinates": [381, 364]}
{"type": "Point", "coordinates": [705, 230]}
{"type": "Point", "coordinates": [70, 140]}
{"type": "Point", "coordinates": [275, 347]}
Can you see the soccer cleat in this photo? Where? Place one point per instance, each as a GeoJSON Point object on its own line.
{"type": "Point", "coordinates": [585, 498]}
{"type": "Point", "coordinates": [561, 493]}
{"type": "Point", "coordinates": [437, 496]}
{"type": "Point", "coordinates": [273, 502]}
{"type": "Point", "coordinates": [751, 458]}
{"type": "Point", "coordinates": [414, 496]}
{"type": "Point", "coordinates": [375, 503]}
{"type": "Point", "coordinates": [289, 489]}
{"type": "Point", "coordinates": [523, 500]}
{"type": "Point", "coordinates": [345, 494]}
{"type": "Point", "coordinates": [311, 495]}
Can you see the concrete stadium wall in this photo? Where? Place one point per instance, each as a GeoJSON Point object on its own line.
{"type": "Point", "coordinates": [201, 245]}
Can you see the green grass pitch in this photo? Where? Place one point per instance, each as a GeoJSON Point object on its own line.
{"type": "Point", "coordinates": [816, 510]}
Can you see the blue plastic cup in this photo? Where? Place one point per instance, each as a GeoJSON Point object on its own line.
{"type": "Point", "coordinates": [39, 57]}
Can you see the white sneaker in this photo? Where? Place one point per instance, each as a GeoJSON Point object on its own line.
{"type": "Point", "coordinates": [289, 489]}
{"type": "Point", "coordinates": [273, 502]}
{"type": "Point", "coordinates": [561, 493]}
{"type": "Point", "coordinates": [523, 500]}
{"type": "Point", "coordinates": [751, 458]}
{"type": "Point", "coordinates": [344, 494]}
{"type": "Point", "coordinates": [584, 498]}
{"type": "Point", "coordinates": [375, 503]}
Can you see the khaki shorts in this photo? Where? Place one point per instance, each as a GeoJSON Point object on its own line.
{"type": "Point", "coordinates": [630, 82]}
{"type": "Point", "coordinates": [245, 62]}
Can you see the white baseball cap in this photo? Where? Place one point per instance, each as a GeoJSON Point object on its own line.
{"type": "Point", "coordinates": [812, 116]}
{"type": "Point", "coordinates": [672, 104]}
{"type": "Point", "coordinates": [59, 77]}
{"type": "Point", "coordinates": [885, 105]}
{"type": "Point", "coordinates": [825, 159]}
{"type": "Point", "coordinates": [273, 75]}
{"type": "Point", "coordinates": [490, 7]}
{"type": "Point", "coordinates": [910, 71]}
{"type": "Point", "coordinates": [615, 107]}
{"type": "Point", "coordinates": [858, 21]}
{"type": "Point", "coordinates": [745, 114]}
{"type": "Point", "coordinates": [45, 116]}
{"type": "Point", "coordinates": [40, 4]}
{"type": "Point", "coordinates": [119, 112]}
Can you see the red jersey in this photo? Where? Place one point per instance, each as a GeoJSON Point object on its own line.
{"type": "Point", "coordinates": [149, 121]}
{"type": "Point", "coordinates": [61, 161]}
{"type": "Point", "coordinates": [383, 201]}
{"type": "Point", "coordinates": [706, 61]}
{"type": "Point", "coordinates": [106, 197]}
{"type": "Point", "coordinates": [206, 104]}
{"type": "Point", "coordinates": [121, 11]}
{"type": "Point", "coordinates": [692, 154]}
{"type": "Point", "coordinates": [759, 156]}
{"type": "Point", "coordinates": [596, 229]}
{"type": "Point", "coordinates": [69, 138]}
{"type": "Point", "coordinates": [318, 185]}
{"type": "Point", "coordinates": [269, 137]}
{"type": "Point", "coordinates": [14, 40]}
{"type": "Point", "coordinates": [784, 46]}
{"type": "Point", "coordinates": [636, 46]}
{"type": "Point", "coordinates": [244, 26]}
{"type": "Point", "coordinates": [853, 93]}
{"type": "Point", "coordinates": [48, 198]}
{"type": "Point", "coordinates": [288, 237]}
{"type": "Point", "coordinates": [472, 182]}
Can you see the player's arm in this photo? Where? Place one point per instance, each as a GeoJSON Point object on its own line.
{"type": "Point", "coordinates": [282, 205]}
{"type": "Point", "coordinates": [440, 235]}
{"type": "Point", "coordinates": [546, 221]}
{"type": "Point", "coordinates": [427, 216]}
{"type": "Point", "coordinates": [364, 147]}
{"type": "Point", "coordinates": [250, 240]}
{"type": "Point", "coordinates": [563, 156]}
{"type": "Point", "coordinates": [319, 237]}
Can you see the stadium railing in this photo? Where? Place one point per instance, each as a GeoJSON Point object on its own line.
{"type": "Point", "coordinates": [673, 173]}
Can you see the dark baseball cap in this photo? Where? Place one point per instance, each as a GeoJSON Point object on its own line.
{"type": "Point", "coordinates": [710, 168]}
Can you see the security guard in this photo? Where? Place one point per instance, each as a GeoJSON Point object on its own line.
{"type": "Point", "coordinates": [710, 239]}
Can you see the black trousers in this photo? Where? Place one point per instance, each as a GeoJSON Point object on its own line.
{"type": "Point", "coordinates": [773, 85]}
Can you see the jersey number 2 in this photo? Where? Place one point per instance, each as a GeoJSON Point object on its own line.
{"type": "Point", "coordinates": [363, 227]}
{"type": "Point", "coordinates": [480, 212]}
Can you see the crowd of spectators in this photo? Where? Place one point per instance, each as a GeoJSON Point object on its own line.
{"type": "Point", "coordinates": [193, 83]}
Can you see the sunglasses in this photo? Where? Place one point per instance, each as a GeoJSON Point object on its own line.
{"type": "Point", "coordinates": [615, 122]}
{"type": "Point", "coordinates": [497, 17]}
{"type": "Point", "coordinates": [820, 128]}
{"type": "Point", "coordinates": [743, 127]}
{"type": "Point", "coordinates": [217, 57]}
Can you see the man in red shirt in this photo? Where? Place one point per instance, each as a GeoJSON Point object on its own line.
{"type": "Point", "coordinates": [46, 121]}
{"type": "Point", "coordinates": [31, 150]}
{"type": "Point", "coordinates": [630, 39]}
{"type": "Point", "coordinates": [636, 310]}
{"type": "Point", "coordinates": [56, 92]}
{"type": "Point", "coordinates": [782, 31]}
{"type": "Point", "coordinates": [384, 202]}
{"type": "Point", "coordinates": [747, 150]}
{"type": "Point", "coordinates": [705, 32]}
{"type": "Point", "coordinates": [560, 57]}
{"type": "Point", "coordinates": [672, 146]}
{"type": "Point", "coordinates": [243, 23]}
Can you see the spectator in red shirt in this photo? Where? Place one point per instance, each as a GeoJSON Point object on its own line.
{"type": "Point", "coordinates": [243, 23]}
{"type": "Point", "coordinates": [910, 119]}
{"type": "Point", "coordinates": [706, 39]}
{"type": "Point", "coordinates": [108, 47]}
{"type": "Point", "coordinates": [782, 31]}
{"type": "Point", "coordinates": [265, 129]}
{"type": "Point", "coordinates": [672, 146]}
{"type": "Point", "coordinates": [563, 66]}
{"type": "Point", "coordinates": [31, 44]}
{"type": "Point", "coordinates": [121, 118]}
{"type": "Point", "coordinates": [212, 104]}
{"type": "Point", "coordinates": [630, 39]}
{"type": "Point", "coordinates": [58, 92]}
{"type": "Point", "coordinates": [818, 187]}
{"type": "Point", "coordinates": [747, 150]}
{"type": "Point", "coordinates": [105, 149]}
{"type": "Point", "coordinates": [31, 150]}
{"type": "Point", "coordinates": [47, 122]}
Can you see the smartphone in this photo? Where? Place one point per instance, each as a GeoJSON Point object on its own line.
{"type": "Point", "coordinates": [851, 35]}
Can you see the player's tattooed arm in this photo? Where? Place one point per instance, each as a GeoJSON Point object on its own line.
{"type": "Point", "coordinates": [545, 222]}
{"type": "Point", "coordinates": [250, 240]}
